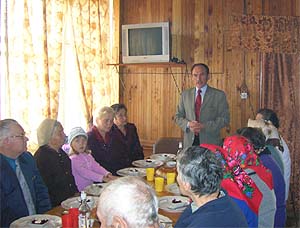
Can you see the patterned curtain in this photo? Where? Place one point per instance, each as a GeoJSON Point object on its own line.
{"type": "Point", "coordinates": [280, 34]}
{"type": "Point", "coordinates": [278, 39]}
{"type": "Point", "coordinates": [32, 40]}
{"type": "Point", "coordinates": [280, 92]}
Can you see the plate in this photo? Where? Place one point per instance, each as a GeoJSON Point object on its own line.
{"type": "Point", "coordinates": [74, 202]}
{"type": "Point", "coordinates": [132, 171]}
{"type": "Point", "coordinates": [171, 164]}
{"type": "Point", "coordinates": [147, 163]}
{"type": "Point", "coordinates": [173, 203]}
{"type": "Point", "coordinates": [173, 188]}
{"type": "Point", "coordinates": [163, 157]}
{"type": "Point", "coordinates": [95, 189]}
{"type": "Point", "coordinates": [53, 221]}
{"type": "Point", "coordinates": [164, 221]}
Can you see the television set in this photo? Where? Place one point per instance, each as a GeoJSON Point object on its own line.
{"type": "Point", "coordinates": [146, 43]}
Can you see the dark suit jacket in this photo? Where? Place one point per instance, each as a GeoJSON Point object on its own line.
{"type": "Point", "coordinates": [55, 168]}
{"type": "Point", "coordinates": [131, 141]}
{"type": "Point", "coordinates": [214, 113]}
{"type": "Point", "coordinates": [12, 203]}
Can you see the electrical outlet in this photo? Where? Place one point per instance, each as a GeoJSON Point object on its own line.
{"type": "Point", "coordinates": [244, 95]}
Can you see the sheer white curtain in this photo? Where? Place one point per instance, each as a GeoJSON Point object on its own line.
{"type": "Point", "coordinates": [70, 112]}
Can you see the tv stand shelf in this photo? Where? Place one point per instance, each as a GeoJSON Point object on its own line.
{"type": "Point", "coordinates": [165, 64]}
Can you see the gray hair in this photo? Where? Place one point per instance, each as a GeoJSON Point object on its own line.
{"type": "Point", "coordinates": [131, 199]}
{"type": "Point", "coordinates": [100, 112]}
{"type": "Point", "coordinates": [200, 168]}
{"type": "Point", "coordinates": [5, 127]}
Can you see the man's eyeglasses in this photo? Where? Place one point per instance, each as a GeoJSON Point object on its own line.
{"type": "Point", "coordinates": [22, 136]}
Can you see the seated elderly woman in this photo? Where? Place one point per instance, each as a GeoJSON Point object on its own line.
{"type": "Point", "coordinates": [103, 142]}
{"type": "Point", "coordinates": [127, 132]}
{"type": "Point", "coordinates": [269, 116]}
{"type": "Point", "coordinates": [241, 154]}
{"type": "Point", "coordinates": [128, 202]}
{"type": "Point", "coordinates": [53, 163]}
{"type": "Point", "coordinates": [199, 177]}
{"type": "Point", "coordinates": [239, 185]}
{"type": "Point", "coordinates": [258, 139]}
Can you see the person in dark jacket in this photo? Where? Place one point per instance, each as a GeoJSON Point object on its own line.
{"type": "Point", "coordinates": [258, 139]}
{"type": "Point", "coordinates": [127, 133]}
{"type": "Point", "coordinates": [110, 153]}
{"type": "Point", "coordinates": [54, 164]}
{"type": "Point", "coordinates": [199, 177]}
{"type": "Point", "coordinates": [22, 189]}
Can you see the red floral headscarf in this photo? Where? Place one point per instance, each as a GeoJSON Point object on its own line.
{"type": "Point", "coordinates": [236, 181]}
{"type": "Point", "coordinates": [240, 153]}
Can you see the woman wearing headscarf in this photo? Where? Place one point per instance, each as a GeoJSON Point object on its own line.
{"type": "Point", "coordinates": [239, 186]}
{"type": "Point", "coordinates": [241, 154]}
{"type": "Point", "coordinates": [258, 139]}
{"type": "Point", "coordinates": [53, 163]}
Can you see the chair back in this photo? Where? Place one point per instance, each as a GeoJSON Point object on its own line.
{"type": "Point", "coordinates": [167, 145]}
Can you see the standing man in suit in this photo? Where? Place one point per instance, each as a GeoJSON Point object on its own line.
{"type": "Point", "coordinates": [202, 117]}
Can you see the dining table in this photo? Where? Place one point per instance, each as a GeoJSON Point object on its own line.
{"type": "Point", "coordinates": [174, 216]}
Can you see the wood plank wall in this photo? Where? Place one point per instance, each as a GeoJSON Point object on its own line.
{"type": "Point", "coordinates": [199, 32]}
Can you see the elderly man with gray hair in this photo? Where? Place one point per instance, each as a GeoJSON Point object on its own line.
{"type": "Point", "coordinates": [128, 202]}
{"type": "Point", "coordinates": [199, 177]}
{"type": "Point", "coordinates": [22, 190]}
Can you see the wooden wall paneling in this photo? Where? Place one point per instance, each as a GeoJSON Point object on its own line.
{"type": "Point", "coordinates": [198, 50]}
{"type": "Point", "coordinates": [234, 74]}
{"type": "Point", "coordinates": [215, 35]}
{"type": "Point", "coordinates": [176, 28]}
{"type": "Point", "coordinates": [187, 12]}
{"type": "Point", "coordinates": [252, 71]}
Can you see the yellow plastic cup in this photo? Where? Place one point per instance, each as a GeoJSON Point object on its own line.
{"type": "Point", "coordinates": [171, 178]}
{"type": "Point", "coordinates": [150, 174]}
{"type": "Point", "coordinates": [159, 184]}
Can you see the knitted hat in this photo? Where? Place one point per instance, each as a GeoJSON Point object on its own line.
{"type": "Point", "coordinates": [76, 131]}
{"type": "Point", "coordinates": [45, 131]}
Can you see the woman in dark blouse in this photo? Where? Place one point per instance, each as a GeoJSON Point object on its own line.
{"type": "Point", "coordinates": [127, 132]}
{"type": "Point", "coordinates": [107, 149]}
{"type": "Point", "coordinates": [53, 163]}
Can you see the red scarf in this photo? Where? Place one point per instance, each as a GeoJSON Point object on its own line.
{"type": "Point", "coordinates": [236, 181]}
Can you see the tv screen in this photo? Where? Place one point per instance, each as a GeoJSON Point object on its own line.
{"type": "Point", "coordinates": [145, 43]}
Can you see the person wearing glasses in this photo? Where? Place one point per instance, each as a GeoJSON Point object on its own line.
{"type": "Point", "coordinates": [54, 164]}
{"type": "Point", "coordinates": [22, 189]}
{"type": "Point", "coordinates": [202, 110]}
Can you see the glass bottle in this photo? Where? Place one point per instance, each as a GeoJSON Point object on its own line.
{"type": "Point", "coordinates": [84, 212]}
{"type": "Point", "coordinates": [179, 147]}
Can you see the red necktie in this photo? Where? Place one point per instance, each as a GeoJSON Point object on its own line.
{"type": "Point", "coordinates": [198, 105]}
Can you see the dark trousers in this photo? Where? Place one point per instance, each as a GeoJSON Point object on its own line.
{"type": "Point", "coordinates": [196, 141]}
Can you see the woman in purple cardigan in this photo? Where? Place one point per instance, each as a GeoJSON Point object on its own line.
{"type": "Point", "coordinates": [126, 133]}
{"type": "Point", "coordinates": [103, 141]}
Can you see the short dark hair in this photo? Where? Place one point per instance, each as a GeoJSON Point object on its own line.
{"type": "Point", "coordinates": [254, 135]}
{"type": "Point", "coordinates": [200, 168]}
{"type": "Point", "coordinates": [118, 107]}
{"type": "Point", "coordinates": [202, 65]}
{"type": "Point", "coordinates": [269, 114]}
